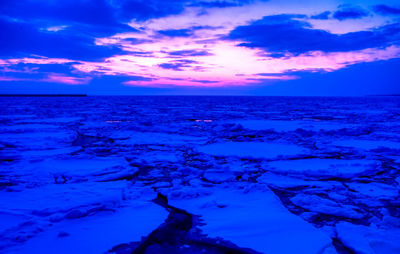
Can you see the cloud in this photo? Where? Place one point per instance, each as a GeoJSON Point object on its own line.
{"type": "Point", "coordinates": [21, 39]}
{"type": "Point", "coordinates": [174, 82]}
{"type": "Point", "coordinates": [43, 70]}
{"type": "Point", "coordinates": [323, 15]}
{"type": "Point", "coordinates": [187, 32]}
{"type": "Point", "coordinates": [84, 16]}
{"type": "Point", "coordinates": [50, 78]}
{"type": "Point", "coordinates": [27, 69]}
{"type": "Point", "coordinates": [169, 43]}
{"type": "Point", "coordinates": [61, 78]}
{"type": "Point", "coordinates": [190, 52]}
{"type": "Point", "coordinates": [60, 28]}
{"type": "Point", "coordinates": [372, 78]}
{"type": "Point", "coordinates": [148, 9]}
{"type": "Point", "coordinates": [284, 34]}
{"type": "Point", "coordinates": [94, 12]}
{"type": "Point", "coordinates": [350, 13]}
{"type": "Point", "coordinates": [177, 65]}
{"type": "Point", "coordinates": [176, 32]}
{"type": "Point", "coordinates": [206, 81]}
{"type": "Point", "coordinates": [219, 4]}
{"type": "Point", "coordinates": [55, 28]}
{"type": "Point", "coordinates": [386, 10]}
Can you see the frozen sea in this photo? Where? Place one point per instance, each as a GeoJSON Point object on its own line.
{"type": "Point", "coordinates": [199, 174]}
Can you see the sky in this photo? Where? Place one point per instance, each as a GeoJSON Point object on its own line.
{"type": "Point", "coordinates": [202, 47]}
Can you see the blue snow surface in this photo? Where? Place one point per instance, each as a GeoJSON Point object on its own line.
{"type": "Point", "coordinates": [182, 174]}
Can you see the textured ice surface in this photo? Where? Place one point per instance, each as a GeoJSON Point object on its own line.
{"type": "Point", "coordinates": [82, 235]}
{"type": "Point", "coordinates": [367, 144]}
{"type": "Point", "coordinates": [311, 175]}
{"type": "Point", "coordinates": [325, 167]}
{"type": "Point", "coordinates": [282, 126]}
{"type": "Point", "coordinates": [253, 150]}
{"type": "Point", "coordinates": [369, 240]}
{"type": "Point", "coordinates": [65, 169]}
{"type": "Point", "coordinates": [61, 198]}
{"type": "Point", "coordinates": [254, 219]}
{"type": "Point", "coordinates": [9, 220]}
{"type": "Point", "coordinates": [375, 190]}
{"type": "Point", "coordinates": [158, 138]}
{"type": "Point", "coordinates": [293, 181]}
{"type": "Point", "coordinates": [320, 205]}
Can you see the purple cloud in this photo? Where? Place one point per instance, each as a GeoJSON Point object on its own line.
{"type": "Point", "coordinates": [350, 13]}
{"type": "Point", "coordinates": [386, 10]}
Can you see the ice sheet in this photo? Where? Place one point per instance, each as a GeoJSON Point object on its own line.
{"type": "Point", "coordinates": [253, 150]}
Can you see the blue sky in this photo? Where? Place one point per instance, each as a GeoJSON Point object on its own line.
{"type": "Point", "coordinates": [224, 47]}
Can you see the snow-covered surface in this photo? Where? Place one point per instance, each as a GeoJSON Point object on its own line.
{"type": "Point", "coordinates": [325, 206]}
{"type": "Point", "coordinates": [367, 144]}
{"type": "Point", "coordinates": [283, 126]}
{"type": "Point", "coordinates": [158, 138]}
{"type": "Point", "coordinates": [375, 190]}
{"type": "Point", "coordinates": [96, 234]}
{"type": "Point", "coordinates": [256, 219]}
{"type": "Point", "coordinates": [369, 240]}
{"type": "Point", "coordinates": [325, 167]}
{"type": "Point", "coordinates": [273, 175]}
{"type": "Point", "coordinates": [253, 150]}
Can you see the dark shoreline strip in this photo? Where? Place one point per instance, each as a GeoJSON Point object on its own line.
{"type": "Point", "coordinates": [43, 95]}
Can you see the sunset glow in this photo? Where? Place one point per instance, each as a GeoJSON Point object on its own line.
{"type": "Point", "coordinates": [204, 44]}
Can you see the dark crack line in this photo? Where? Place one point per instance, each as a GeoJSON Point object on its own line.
{"type": "Point", "coordinates": [179, 234]}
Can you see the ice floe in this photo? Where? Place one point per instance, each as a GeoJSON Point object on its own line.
{"type": "Point", "coordinates": [254, 219]}
{"type": "Point", "coordinates": [325, 167]}
{"type": "Point", "coordinates": [253, 150]}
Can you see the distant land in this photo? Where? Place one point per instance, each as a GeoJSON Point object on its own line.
{"type": "Point", "coordinates": [85, 95]}
{"type": "Point", "coordinates": [384, 95]}
{"type": "Point", "coordinates": [43, 95]}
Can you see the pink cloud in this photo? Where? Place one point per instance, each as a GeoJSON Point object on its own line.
{"type": "Point", "coordinates": [2, 78]}
{"type": "Point", "coordinates": [228, 65]}
{"type": "Point", "coordinates": [59, 78]}
{"type": "Point", "coordinates": [35, 60]}
{"type": "Point", "coordinates": [52, 78]}
{"type": "Point", "coordinates": [237, 81]}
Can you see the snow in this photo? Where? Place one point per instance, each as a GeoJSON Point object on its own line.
{"type": "Point", "coordinates": [375, 190]}
{"type": "Point", "coordinates": [325, 167]}
{"type": "Point", "coordinates": [368, 240]}
{"type": "Point", "coordinates": [285, 181]}
{"type": "Point", "coordinates": [99, 233]}
{"type": "Point", "coordinates": [165, 156]}
{"type": "Point", "coordinates": [78, 169]}
{"type": "Point", "coordinates": [398, 180]}
{"type": "Point", "coordinates": [281, 191]}
{"type": "Point", "coordinates": [10, 220]}
{"type": "Point", "coordinates": [54, 198]}
{"type": "Point", "coordinates": [253, 150]}
{"type": "Point", "coordinates": [44, 153]}
{"type": "Point", "coordinates": [325, 206]}
{"type": "Point", "coordinates": [350, 235]}
{"type": "Point", "coordinates": [254, 219]}
{"type": "Point", "coordinates": [28, 127]}
{"type": "Point", "coordinates": [284, 126]}
{"type": "Point", "coordinates": [219, 176]}
{"type": "Point", "coordinates": [367, 144]}
{"type": "Point", "coordinates": [158, 138]}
